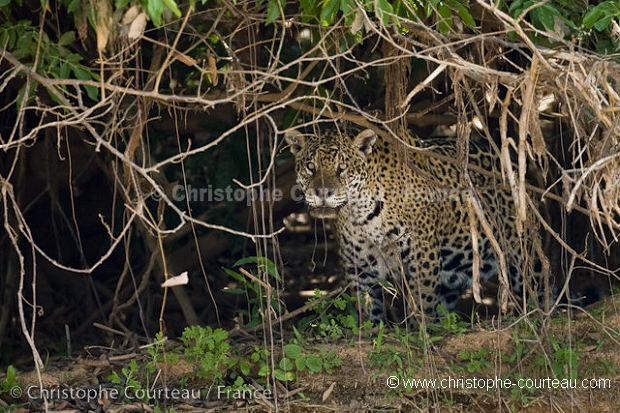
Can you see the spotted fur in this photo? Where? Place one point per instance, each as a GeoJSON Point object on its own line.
{"type": "Point", "coordinates": [401, 217]}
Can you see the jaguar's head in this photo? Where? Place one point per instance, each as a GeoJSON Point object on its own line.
{"type": "Point", "coordinates": [331, 168]}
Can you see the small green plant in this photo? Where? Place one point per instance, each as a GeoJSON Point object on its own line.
{"type": "Point", "coordinates": [296, 359]}
{"type": "Point", "coordinates": [518, 354]}
{"type": "Point", "coordinates": [601, 16]}
{"type": "Point", "coordinates": [520, 395]}
{"type": "Point", "coordinates": [330, 330]}
{"type": "Point", "coordinates": [334, 319]}
{"type": "Point", "coordinates": [9, 381]}
{"type": "Point", "coordinates": [564, 361]}
{"type": "Point", "coordinates": [260, 356]}
{"type": "Point", "coordinates": [419, 339]}
{"type": "Point", "coordinates": [476, 360]}
{"type": "Point", "coordinates": [202, 346]}
{"type": "Point", "coordinates": [404, 358]}
{"type": "Point", "coordinates": [58, 60]}
{"type": "Point", "coordinates": [601, 367]}
{"type": "Point", "coordinates": [314, 363]}
{"type": "Point", "coordinates": [208, 349]}
{"type": "Point", "coordinates": [10, 386]}
{"type": "Point", "coordinates": [158, 355]}
{"type": "Point", "coordinates": [130, 379]}
{"type": "Point", "coordinates": [387, 356]}
{"type": "Point", "coordinates": [255, 289]}
{"type": "Point", "coordinates": [449, 323]}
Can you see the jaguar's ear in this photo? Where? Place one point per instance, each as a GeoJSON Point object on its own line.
{"type": "Point", "coordinates": [295, 139]}
{"type": "Point", "coordinates": [365, 140]}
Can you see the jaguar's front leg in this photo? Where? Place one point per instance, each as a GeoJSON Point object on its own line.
{"type": "Point", "coordinates": [366, 281]}
{"type": "Point", "coordinates": [422, 268]}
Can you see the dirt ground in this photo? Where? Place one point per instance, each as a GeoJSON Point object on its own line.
{"type": "Point", "coordinates": [361, 383]}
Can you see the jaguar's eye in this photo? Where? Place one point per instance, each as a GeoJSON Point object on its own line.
{"type": "Point", "coordinates": [310, 167]}
{"type": "Point", "coordinates": [342, 168]}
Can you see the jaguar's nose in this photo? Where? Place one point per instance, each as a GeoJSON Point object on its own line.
{"type": "Point", "coordinates": [324, 192]}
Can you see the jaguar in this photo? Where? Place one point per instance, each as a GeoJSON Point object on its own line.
{"type": "Point", "coordinates": [401, 214]}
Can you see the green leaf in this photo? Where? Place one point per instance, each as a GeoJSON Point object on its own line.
{"type": "Point", "coordinates": [155, 10]}
{"type": "Point", "coordinates": [65, 71]}
{"type": "Point", "coordinates": [286, 364]}
{"type": "Point", "coordinates": [328, 11]}
{"type": "Point", "coordinates": [24, 43]}
{"type": "Point", "coordinates": [11, 374]}
{"type": "Point", "coordinates": [284, 375]}
{"type": "Point", "coordinates": [24, 96]}
{"type": "Point", "coordinates": [545, 14]}
{"type": "Point", "coordinates": [213, 38]}
{"type": "Point", "coordinates": [73, 7]}
{"type": "Point", "coordinates": [73, 58]}
{"type": "Point", "coordinates": [270, 267]}
{"type": "Point", "coordinates": [264, 370]}
{"type": "Point", "coordinates": [383, 9]}
{"type": "Point", "coordinates": [300, 363]}
{"type": "Point", "coordinates": [244, 366]}
{"type": "Point", "coordinates": [466, 17]}
{"type": "Point", "coordinates": [235, 275]}
{"type": "Point", "coordinates": [445, 22]}
{"type": "Point", "coordinates": [603, 23]}
{"type": "Point", "coordinates": [292, 350]}
{"type": "Point", "coordinates": [274, 10]}
{"type": "Point", "coordinates": [445, 12]}
{"type": "Point", "coordinates": [591, 17]}
{"type": "Point", "coordinates": [516, 7]}
{"type": "Point", "coordinates": [61, 91]}
{"type": "Point", "coordinates": [81, 72]}
{"type": "Point", "coordinates": [66, 39]}
{"type": "Point", "coordinates": [220, 334]}
{"type": "Point", "coordinates": [115, 378]}
{"type": "Point", "coordinates": [92, 92]}
{"type": "Point", "coordinates": [314, 363]}
{"type": "Point", "coordinates": [172, 5]}
{"type": "Point", "coordinates": [246, 260]}
{"type": "Point", "coordinates": [347, 6]}
{"type": "Point", "coordinates": [119, 4]}
{"type": "Point", "coordinates": [600, 16]}
{"type": "Point", "coordinates": [308, 6]}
